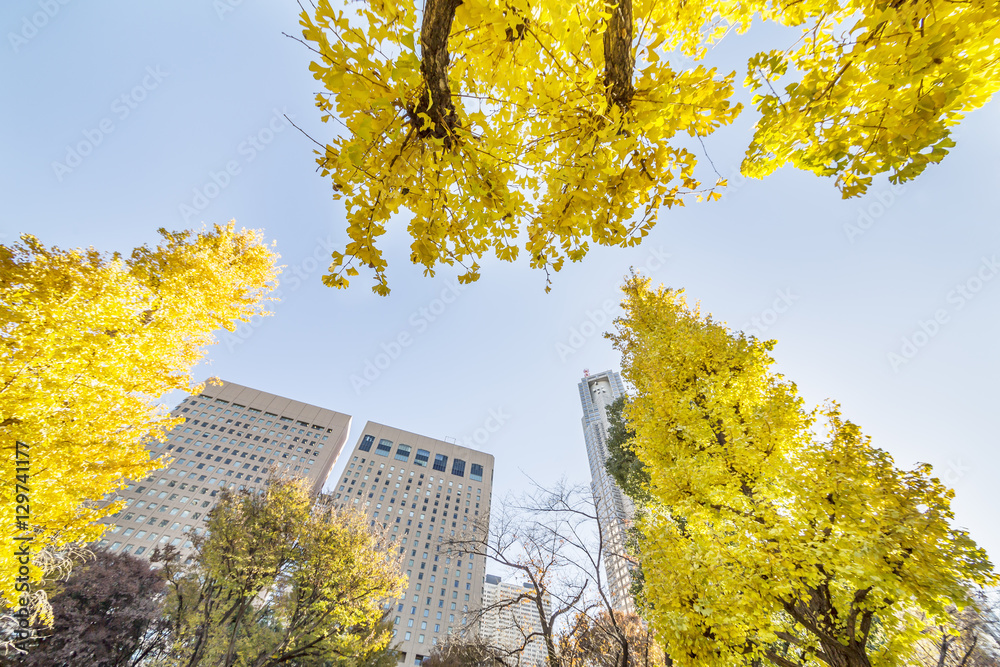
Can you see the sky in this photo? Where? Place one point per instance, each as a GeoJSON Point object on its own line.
{"type": "Point", "coordinates": [163, 97]}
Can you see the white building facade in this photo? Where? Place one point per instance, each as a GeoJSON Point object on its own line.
{"type": "Point", "coordinates": [614, 508]}
{"type": "Point", "coordinates": [233, 437]}
{"type": "Point", "coordinates": [422, 492]}
{"type": "Point", "coordinates": [508, 626]}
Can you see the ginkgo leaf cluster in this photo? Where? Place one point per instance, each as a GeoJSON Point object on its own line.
{"type": "Point", "coordinates": [89, 342]}
{"type": "Point", "coordinates": [769, 531]}
{"type": "Point", "coordinates": [544, 127]}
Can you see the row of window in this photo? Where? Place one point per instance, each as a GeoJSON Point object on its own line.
{"type": "Point", "coordinates": [256, 411]}
{"type": "Point", "coordinates": [207, 455]}
{"type": "Point", "coordinates": [426, 612]}
{"type": "Point", "coordinates": [384, 448]}
{"type": "Point", "coordinates": [141, 550]}
{"type": "Point", "coordinates": [423, 624]}
{"type": "Point", "coordinates": [193, 402]}
{"type": "Point", "coordinates": [232, 427]}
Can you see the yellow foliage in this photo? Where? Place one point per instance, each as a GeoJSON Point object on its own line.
{"type": "Point", "coordinates": [540, 155]}
{"type": "Point", "coordinates": [89, 341]}
{"type": "Point", "coordinates": [766, 538]}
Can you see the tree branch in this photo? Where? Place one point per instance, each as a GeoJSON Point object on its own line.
{"type": "Point", "coordinates": [619, 62]}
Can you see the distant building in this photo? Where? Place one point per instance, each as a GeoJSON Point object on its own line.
{"type": "Point", "coordinates": [614, 508]}
{"type": "Point", "coordinates": [423, 492]}
{"type": "Point", "coordinates": [507, 626]}
{"type": "Point", "coordinates": [233, 437]}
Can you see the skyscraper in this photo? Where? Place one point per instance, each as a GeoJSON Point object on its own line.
{"type": "Point", "coordinates": [507, 626]}
{"type": "Point", "coordinates": [614, 508]}
{"type": "Point", "coordinates": [233, 437]}
{"type": "Point", "coordinates": [423, 492]}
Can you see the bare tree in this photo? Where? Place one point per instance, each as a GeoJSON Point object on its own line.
{"type": "Point", "coordinates": [463, 652]}
{"type": "Point", "coordinates": [972, 639]}
{"type": "Point", "coordinates": [593, 641]}
{"type": "Point", "coordinates": [554, 539]}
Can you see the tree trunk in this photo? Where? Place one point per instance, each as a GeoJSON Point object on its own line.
{"type": "Point", "coordinates": [436, 100]}
{"type": "Point", "coordinates": [838, 655]}
{"type": "Point", "coordinates": [619, 63]}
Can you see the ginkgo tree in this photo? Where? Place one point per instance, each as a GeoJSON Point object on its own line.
{"type": "Point", "coordinates": [545, 125]}
{"type": "Point", "coordinates": [89, 342]}
{"type": "Point", "coordinates": [768, 531]}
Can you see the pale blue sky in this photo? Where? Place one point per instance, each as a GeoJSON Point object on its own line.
{"type": "Point", "coordinates": [198, 85]}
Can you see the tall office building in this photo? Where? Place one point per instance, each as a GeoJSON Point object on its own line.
{"type": "Point", "coordinates": [507, 626]}
{"type": "Point", "coordinates": [233, 437]}
{"type": "Point", "coordinates": [614, 508]}
{"type": "Point", "coordinates": [423, 492]}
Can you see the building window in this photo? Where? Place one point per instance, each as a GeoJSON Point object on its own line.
{"type": "Point", "coordinates": [384, 447]}
{"type": "Point", "coordinates": [440, 462]}
{"type": "Point", "coordinates": [402, 453]}
{"type": "Point", "coordinates": [421, 458]}
{"type": "Point", "coordinates": [476, 472]}
{"type": "Point", "coordinates": [458, 467]}
{"type": "Point", "coordinates": [366, 443]}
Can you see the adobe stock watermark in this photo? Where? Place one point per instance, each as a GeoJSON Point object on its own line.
{"type": "Point", "coordinates": [955, 472]}
{"type": "Point", "coordinates": [247, 151]}
{"type": "Point", "coordinates": [122, 107]}
{"type": "Point", "coordinates": [783, 301]}
{"type": "Point", "coordinates": [32, 24]}
{"type": "Point", "coordinates": [871, 213]}
{"type": "Point", "coordinates": [224, 7]}
{"type": "Point", "coordinates": [296, 274]}
{"type": "Point", "coordinates": [482, 434]}
{"type": "Point", "coordinates": [418, 322]}
{"type": "Point", "coordinates": [594, 320]}
{"type": "Point", "coordinates": [957, 298]}
{"type": "Point", "coordinates": [734, 183]}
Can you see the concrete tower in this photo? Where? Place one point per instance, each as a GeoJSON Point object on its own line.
{"type": "Point", "coordinates": [233, 437]}
{"type": "Point", "coordinates": [423, 492]}
{"type": "Point", "coordinates": [614, 508]}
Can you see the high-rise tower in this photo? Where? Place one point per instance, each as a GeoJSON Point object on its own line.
{"type": "Point", "coordinates": [423, 493]}
{"type": "Point", "coordinates": [614, 508]}
{"type": "Point", "coordinates": [512, 624]}
{"type": "Point", "coordinates": [233, 437]}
